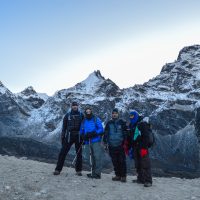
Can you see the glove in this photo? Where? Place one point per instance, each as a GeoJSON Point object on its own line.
{"type": "Point", "coordinates": [91, 134]}
{"type": "Point", "coordinates": [143, 152]}
{"type": "Point", "coordinates": [85, 137]}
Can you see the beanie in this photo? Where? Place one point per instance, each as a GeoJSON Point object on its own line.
{"type": "Point", "coordinates": [74, 103]}
{"type": "Point", "coordinates": [115, 110]}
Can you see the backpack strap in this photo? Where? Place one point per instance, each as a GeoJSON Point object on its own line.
{"type": "Point", "coordinates": [68, 115]}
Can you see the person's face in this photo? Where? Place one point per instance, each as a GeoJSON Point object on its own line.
{"type": "Point", "coordinates": [74, 107]}
{"type": "Point", "coordinates": [115, 115]}
{"type": "Point", "coordinates": [88, 112]}
{"type": "Point", "coordinates": [131, 116]}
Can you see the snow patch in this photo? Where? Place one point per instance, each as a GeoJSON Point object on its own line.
{"type": "Point", "coordinates": [90, 84]}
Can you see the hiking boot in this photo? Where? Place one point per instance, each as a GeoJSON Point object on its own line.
{"type": "Point", "coordinates": [147, 184]}
{"type": "Point", "coordinates": [94, 176]}
{"type": "Point", "coordinates": [56, 172]}
{"type": "Point", "coordinates": [97, 176]}
{"type": "Point", "coordinates": [123, 179]}
{"type": "Point", "coordinates": [137, 181]}
{"type": "Point", "coordinates": [89, 175]}
{"type": "Point", "coordinates": [116, 178]}
{"type": "Point", "coordinates": [79, 173]}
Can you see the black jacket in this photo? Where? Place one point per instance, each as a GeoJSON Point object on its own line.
{"type": "Point", "coordinates": [72, 122]}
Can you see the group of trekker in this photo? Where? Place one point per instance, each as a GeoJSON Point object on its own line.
{"type": "Point", "coordinates": [119, 137]}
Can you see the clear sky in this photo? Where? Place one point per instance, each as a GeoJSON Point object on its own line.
{"type": "Point", "coordinates": [54, 44]}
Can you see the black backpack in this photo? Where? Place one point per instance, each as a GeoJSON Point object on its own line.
{"type": "Point", "coordinates": [151, 137]}
{"type": "Point", "coordinates": [150, 133]}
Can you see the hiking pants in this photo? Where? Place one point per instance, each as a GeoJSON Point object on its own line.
{"type": "Point", "coordinates": [143, 166]}
{"type": "Point", "coordinates": [93, 152]}
{"type": "Point", "coordinates": [74, 139]}
{"type": "Point", "coordinates": [118, 157]}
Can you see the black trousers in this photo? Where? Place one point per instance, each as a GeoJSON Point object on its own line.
{"type": "Point", "coordinates": [118, 157]}
{"type": "Point", "coordinates": [143, 166]}
{"type": "Point", "coordinates": [74, 139]}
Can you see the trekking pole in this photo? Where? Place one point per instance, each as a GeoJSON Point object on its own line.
{"type": "Point", "coordinates": [90, 154]}
{"type": "Point", "coordinates": [77, 154]}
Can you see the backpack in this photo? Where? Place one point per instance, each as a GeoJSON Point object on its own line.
{"type": "Point", "coordinates": [150, 133]}
{"type": "Point", "coordinates": [74, 122]}
{"type": "Point", "coordinates": [151, 137]}
{"type": "Point", "coordinates": [69, 114]}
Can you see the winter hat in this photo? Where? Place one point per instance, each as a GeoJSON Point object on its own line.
{"type": "Point", "coordinates": [88, 115]}
{"type": "Point", "coordinates": [133, 112]}
{"type": "Point", "coordinates": [115, 110]}
{"type": "Point", "coordinates": [74, 103]}
{"type": "Point", "coordinates": [88, 108]}
{"type": "Point", "coordinates": [135, 118]}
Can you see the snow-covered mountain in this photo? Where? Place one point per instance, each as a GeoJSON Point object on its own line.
{"type": "Point", "coordinates": [32, 98]}
{"type": "Point", "coordinates": [171, 100]}
{"type": "Point", "coordinates": [12, 113]}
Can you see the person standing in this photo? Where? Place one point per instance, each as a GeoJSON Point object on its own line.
{"type": "Point", "coordinates": [70, 135]}
{"type": "Point", "coordinates": [91, 132]}
{"type": "Point", "coordinates": [138, 140]}
{"type": "Point", "coordinates": [114, 137]}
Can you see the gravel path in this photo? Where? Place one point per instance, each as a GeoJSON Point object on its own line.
{"type": "Point", "coordinates": [22, 179]}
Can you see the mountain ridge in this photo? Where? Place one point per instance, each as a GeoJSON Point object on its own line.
{"type": "Point", "coordinates": [171, 100]}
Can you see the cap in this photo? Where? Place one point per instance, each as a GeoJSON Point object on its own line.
{"type": "Point", "coordinates": [115, 110]}
{"type": "Point", "coordinates": [74, 103]}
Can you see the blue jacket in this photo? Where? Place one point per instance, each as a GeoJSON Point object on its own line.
{"type": "Point", "coordinates": [92, 125]}
{"type": "Point", "coordinates": [115, 132]}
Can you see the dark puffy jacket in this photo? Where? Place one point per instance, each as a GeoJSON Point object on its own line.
{"type": "Point", "coordinates": [72, 122]}
{"type": "Point", "coordinates": [115, 132]}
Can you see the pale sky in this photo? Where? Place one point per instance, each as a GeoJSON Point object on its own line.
{"type": "Point", "coordinates": [54, 44]}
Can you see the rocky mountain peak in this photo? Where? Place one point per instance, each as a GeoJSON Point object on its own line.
{"type": "Point", "coordinates": [188, 60]}
{"type": "Point", "coordinates": [32, 98]}
{"type": "Point", "coordinates": [3, 89]}
{"type": "Point", "coordinates": [90, 84]}
{"type": "Point", "coordinates": [181, 76]}
{"type": "Point", "coordinates": [189, 52]}
{"type": "Point", "coordinates": [1, 84]}
{"type": "Point", "coordinates": [94, 77]}
{"type": "Point", "coordinates": [98, 74]}
{"type": "Point", "coordinates": [28, 91]}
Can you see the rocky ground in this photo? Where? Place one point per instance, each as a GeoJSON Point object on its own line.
{"type": "Point", "coordinates": [22, 179]}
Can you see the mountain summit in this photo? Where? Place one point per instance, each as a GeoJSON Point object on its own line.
{"type": "Point", "coordinates": [90, 84]}
{"type": "Point", "coordinates": [95, 84]}
{"type": "Point", "coordinates": [181, 76]}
